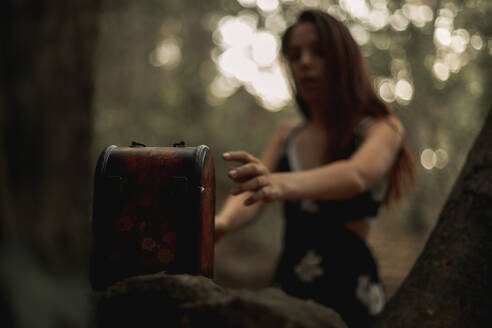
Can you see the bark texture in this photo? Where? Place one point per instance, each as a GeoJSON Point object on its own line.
{"type": "Point", "coordinates": [450, 284]}
{"type": "Point", "coordinates": [163, 300]}
{"type": "Point", "coordinates": [46, 90]}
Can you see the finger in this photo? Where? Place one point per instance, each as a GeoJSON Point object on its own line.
{"type": "Point", "coordinates": [257, 196]}
{"type": "Point", "coordinates": [264, 194]}
{"type": "Point", "coordinates": [232, 174]}
{"type": "Point", "coordinates": [240, 156]}
{"type": "Point", "coordinates": [250, 201]}
{"type": "Point", "coordinates": [247, 171]}
{"type": "Point", "coordinates": [251, 185]}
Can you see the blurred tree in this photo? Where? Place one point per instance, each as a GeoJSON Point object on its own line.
{"type": "Point", "coordinates": [450, 285]}
{"type": "Point", "coordinates": [46, 94]}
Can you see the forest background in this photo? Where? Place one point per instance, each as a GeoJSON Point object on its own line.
{"type": "Point", "coordinates": [209, 72]}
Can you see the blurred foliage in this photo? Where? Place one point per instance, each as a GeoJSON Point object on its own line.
{"type": "Point", "coordinates": [162, 103]}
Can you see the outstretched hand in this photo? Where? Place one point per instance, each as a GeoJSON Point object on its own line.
{"type": "Point", "coordinates": [252, 176]}
{"type": "Point", "coordinates": [221, 229]}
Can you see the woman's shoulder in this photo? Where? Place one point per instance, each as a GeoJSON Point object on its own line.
{"type": "Point", "coordinates": [370, 124]}
{"type": "Point", "coordinates": [394, 122]}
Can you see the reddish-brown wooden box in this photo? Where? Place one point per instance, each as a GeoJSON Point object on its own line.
{"type": "Point", "coordinates": [153, 211]}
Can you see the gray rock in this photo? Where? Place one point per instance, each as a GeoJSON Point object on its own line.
{"type": "Point", "coordinates": [166, 300]}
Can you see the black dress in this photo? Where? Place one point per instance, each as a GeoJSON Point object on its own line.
{"type": "Point", "coordinates": [325, 262]}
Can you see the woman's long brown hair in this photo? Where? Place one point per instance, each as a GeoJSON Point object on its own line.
{"type": "Point", "coordinates": [356, 95]}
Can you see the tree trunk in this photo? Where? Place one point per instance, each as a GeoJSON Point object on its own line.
{"type": "Point", "coordinates": [46, 118]}
{"type": "Point", "coordinates": [450, 284]}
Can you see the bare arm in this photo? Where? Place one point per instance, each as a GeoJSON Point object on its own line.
{"type": "Point", "coordinates": [234, 214]}
{"type": "Point", "coordinates": [339, 180]}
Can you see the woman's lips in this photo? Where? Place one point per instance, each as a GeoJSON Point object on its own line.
{"type": "Point", "coordinates": [310, 83]}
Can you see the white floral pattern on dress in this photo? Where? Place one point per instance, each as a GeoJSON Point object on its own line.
{"type": "Point", "coordinates": [310, 267]}
{"type": "Point", "coordinates": [370, 294]}
{"type": "Point", "coordinates": [379, 190]}
{"type": "Point", "coordinates": [310, 206]}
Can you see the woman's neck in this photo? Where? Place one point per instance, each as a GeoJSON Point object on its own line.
{"type": "Point", "coordinates": [324, 117]}
{"type": "Point", "coordinates": [321, 117]}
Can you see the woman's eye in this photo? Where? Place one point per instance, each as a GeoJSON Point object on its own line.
{"type": "Point", "coordinates": [318, 51]}
{"type": "Point", "coordinates": [294, 58]}
{"type": "Point", "coordinates": [293, 55]}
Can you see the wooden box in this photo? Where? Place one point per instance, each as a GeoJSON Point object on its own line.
{"type": "Point", "coordinates": [153, 210]}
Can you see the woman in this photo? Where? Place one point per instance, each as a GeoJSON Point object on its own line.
{"type": "Point", "coordinates": [332, 172]}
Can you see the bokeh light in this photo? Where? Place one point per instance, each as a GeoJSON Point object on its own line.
{"type": "Point", "coordinates": [453, 61]}
{"type": "Point", "coordinates": [398, 21]}
{"type": "Point", "coordinates": [419, 15]}
{"type": "Point", "coordinates": [337, 12]}
{"type": "Point", "coordinates": [386, 88]}
{"type": "Point", "coordinates": [271, 87]}
{"type": "Point", "coordinates": [451, 44]}
{"type": "Point", "coordinates": [428, 159]}
{"type": "Point", "coordinates": [378, 19]}
{"type": "Point", "coordinates": [223, 87]}
{"type": "Point", "coordinates": [403, 92]}
{"type": "Point", "coordinates": [459, 40]}
{"type": "Point", "coordinates": [475, 88]}
{"type": "Point", "coordinates": [264, 48]}
{"type": "Point", "coordinates": [360, 35]}
{"type": "Point", "coordinates": [275, 23]}
{"type": "Point", "coordinates": [309, 3]}
{"type": "Point", "coordinates": [247, 3]}
{"type": "Point", "coordinates": [167, 54]}
{"type": "Point", "coordinates": [426, 13]}
{"type": "Point", "coordinates": [476, 42]}
{"type": "Point", "coordinates": [235, 31]}
{"type": "Point", "coordinates": [442, 158]}
{"type": "Point", "coordinates": [356, 8]}
{"type": "Point", "coordinates": [267, 5]}
{"type": "Point", "coordinates": [442, 36]}
{"type": "Point", "coordinates": [250, 56]}
{"type": "Point", "coordinates": [233, 63]}
{"type": "Point", "coordinates": [381, 41]}
{"type": "Point", "coordinates": [251, 41]}
{"type": "Point", "coordinates": [441, 70]}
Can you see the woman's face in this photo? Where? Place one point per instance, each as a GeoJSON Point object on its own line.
{"type": "Point", "coordinates": [306, 58]}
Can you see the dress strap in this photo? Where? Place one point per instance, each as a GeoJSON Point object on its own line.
{"type": "Point", "coordinates": [292, 155]}
{"type": "Point", "coordinates": [291, 151]}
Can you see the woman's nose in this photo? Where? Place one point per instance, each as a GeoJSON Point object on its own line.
{"type": "Point", "coordinates": [306, 58]}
